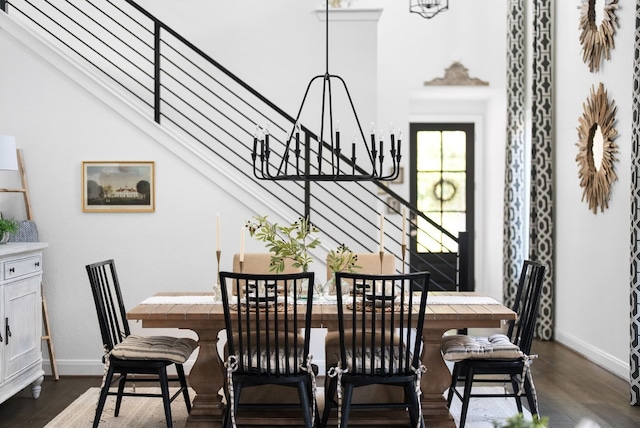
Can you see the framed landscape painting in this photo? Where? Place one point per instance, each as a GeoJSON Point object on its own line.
{"type": "Point", "coordinates": [123, 186]}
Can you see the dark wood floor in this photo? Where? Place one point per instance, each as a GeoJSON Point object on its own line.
{"type": "Point", "coordinates": [570, 388]}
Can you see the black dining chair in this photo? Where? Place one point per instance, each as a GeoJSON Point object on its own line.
{"type": "Point", "coordinates": [499, 358]}
{"type": "Point", "coordinates": [127, 354]}
{"type": "Point", "coordinates": [268, 327]}
{"type": "Point", "coordinates": [378, 342]}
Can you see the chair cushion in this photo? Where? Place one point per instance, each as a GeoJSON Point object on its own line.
{"type": "Point", "coordinates": [332, 352]}
{"type": "Point", "coordinates": [174, 349]}
{"type": "Point", "coordinates": [263, 340]}
{"type": "Point", "coordinates": [459, 347]}
{"type": "Point", "coordinates": [390, 357]}
{"type": "Point", "coordinates": [268, 363]}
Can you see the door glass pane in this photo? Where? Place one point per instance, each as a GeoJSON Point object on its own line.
{"type": "Point", "coordinates": [441, 187]}
{"type": "Point", "coordinates": [429, 150]}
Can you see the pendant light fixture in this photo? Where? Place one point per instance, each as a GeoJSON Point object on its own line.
{"type": "Point", "coordinates": [428, 8]}
{"type": "Point", "coordinates": [325, 156]}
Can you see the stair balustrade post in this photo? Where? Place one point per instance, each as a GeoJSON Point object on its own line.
{"type": "Point", "coordinates": [156, 76]}
{"type": "Point", "coordinates": [463, 262]}
{"type": "Point", "coordinates": [307, 170]}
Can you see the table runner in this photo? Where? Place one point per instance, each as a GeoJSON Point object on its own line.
{"type": "Point", "coordinates": [180, 300]}
{"type": "Point", "coordinates": [324, 300]}
{"type": "Point", "coordinates": [209, 300]}
{"type": "Point", "coordinates": [461, 300]}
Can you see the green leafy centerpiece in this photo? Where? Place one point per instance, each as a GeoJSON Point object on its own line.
{"type": "Point", "coordinates": [285, 242]}
{"type": "Point", "coordinates": [341, 259]}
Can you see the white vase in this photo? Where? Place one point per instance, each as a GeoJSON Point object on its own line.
{"type": "Point", "coordinates": [4, 237]}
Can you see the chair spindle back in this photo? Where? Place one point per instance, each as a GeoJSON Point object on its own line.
{"type": "Point", "coordinates": [381, 330]}
{"type": "Point", "coordinates": [107, 297]}
{"type": "Point", "coordinates": [526, 305]}
{"type": "Point", "coordinates": [263, 317]}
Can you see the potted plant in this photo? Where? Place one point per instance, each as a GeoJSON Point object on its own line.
{"type": "Point", "coordinates": [7, 226]}
{"type": "Point", "coordinates": [342, 259]}
{"type": "Point", "coordinates": [285, 242]}
{"type": "Point", "coordinates": [338, 260]}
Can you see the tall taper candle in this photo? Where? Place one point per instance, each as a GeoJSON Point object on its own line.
{"type": "Point", "coordinates": [242, 244]}
{"type": "Point", "coordinates": [381, 232]}
{"type": "Point", "coordinates": [218, 232]}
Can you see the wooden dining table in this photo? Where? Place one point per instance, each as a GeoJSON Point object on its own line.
{"type": "Point", "coordinates": [197, 311]}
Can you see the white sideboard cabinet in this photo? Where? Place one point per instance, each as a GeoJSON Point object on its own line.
{"type": "Point", "coordinates": [20, 318]}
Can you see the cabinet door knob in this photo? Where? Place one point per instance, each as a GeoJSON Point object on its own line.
{"type": "Point", "coordinates": [12, 270]}
{"type": "Point", "coordinates": [37, 264]}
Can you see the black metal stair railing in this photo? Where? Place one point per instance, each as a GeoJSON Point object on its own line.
{"type": "Point", "coordinates": [198, 99]}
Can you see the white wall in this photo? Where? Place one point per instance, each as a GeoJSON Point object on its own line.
{"type": "Point", "coordinates": [274, 46]}
{"type": "Point", "coordinates": [592, 250]}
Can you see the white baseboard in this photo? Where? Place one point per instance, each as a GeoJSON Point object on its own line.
{"type": "Point", "coordinates": [596, 355]}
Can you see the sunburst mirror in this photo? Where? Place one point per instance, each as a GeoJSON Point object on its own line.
{"type": "Point", "coordinates": [596, 149]}
{"type": "Point", "coordinates": [598, 22]}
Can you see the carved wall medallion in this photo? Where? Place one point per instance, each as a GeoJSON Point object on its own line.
{"type": "Point", "coordinates": [456, 75]}
{"type": "Point", "coordinates": [596, 149]}
{"type": "Point", "coordinates": [597, 40]}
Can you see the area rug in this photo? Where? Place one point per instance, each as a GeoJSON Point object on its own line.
{"type": "Point", "coordinates": [143, 412]}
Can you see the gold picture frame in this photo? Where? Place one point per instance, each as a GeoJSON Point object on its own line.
{"type": "Point", "coordinates": [596, 149]}
{"type": "Point", "coordinates": [118, 186]}
{"type": "Point", "coordinates": [597, 39]}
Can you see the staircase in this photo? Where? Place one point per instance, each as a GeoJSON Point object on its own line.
{"type": "Point", "coordinates": [214, 113]}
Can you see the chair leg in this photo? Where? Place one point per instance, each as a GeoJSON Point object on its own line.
{"type": "Point", "coordinates": [454, 381]}
{"type": "Point", "coordinates": [468, 383]}
{"type": "Point", "coordinates": [329, 393]}
{"type": "Point", "coordinates": [411, 398]}
{"type": "Point", "coordinates": [531, 399]}
{"type": "Point", "coordinates": [184, 386]}
{"type": "Point", "coordinates": [304, 403]}
{"type": "Point", "coordinates": [103, 397]}
{"type": "Point", "coordinates": [346, 405]}
{"type": "Point", "coordinates": [121, 385]}
{"type": "Point", "coordinates": [516, 387]}
{"type": "Point", "coordinates": [164, 387]}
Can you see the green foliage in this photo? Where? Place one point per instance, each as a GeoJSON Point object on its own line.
{"type": "Point", "coordinates": [518, 421]}
{"type": "Point", "coordinates": [342, 259]}
{"type": "Point", "coordinates": [285, 242]}
{"type": "Point", "coordinates": [7, 225]}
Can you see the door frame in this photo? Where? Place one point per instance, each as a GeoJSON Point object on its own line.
{"type": "Point", "coordinates": [470, 128]}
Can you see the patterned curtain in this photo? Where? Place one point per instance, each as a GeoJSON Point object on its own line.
{"type": "Point", "coordinates": [542, 226]}
{"type": "Point", "coordinates": [634, 352]}
{"type": "Point", "coordinates": [515, 190]}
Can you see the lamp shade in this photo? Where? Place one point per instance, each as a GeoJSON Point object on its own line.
{"type": "Point", "coordinates": [8, 157]}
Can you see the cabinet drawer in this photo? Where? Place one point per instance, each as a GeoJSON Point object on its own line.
{"type": "Point", "coordinates": [20, 267]}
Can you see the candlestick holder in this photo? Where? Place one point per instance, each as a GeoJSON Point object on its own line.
{"type": "Point", "coordinates": [381, 260]}
{"type": "Point", "coordinates": [404, 251]}
{"type": "Point", "coordinates": [218, 253]}
{"type": "Point", "coordinates": [241, 263]}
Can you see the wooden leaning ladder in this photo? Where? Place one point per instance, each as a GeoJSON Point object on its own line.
{"type": "Point", "coordinates": [45, 313]}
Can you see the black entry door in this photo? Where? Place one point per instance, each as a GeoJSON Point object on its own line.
{"type": "Point", "coordinates": [441, 186]}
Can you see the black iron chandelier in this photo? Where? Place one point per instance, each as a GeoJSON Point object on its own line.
{"type": "Point", "coordinates": [428, 8]}
{"type": "Point", "coordinates": [332, 161]}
